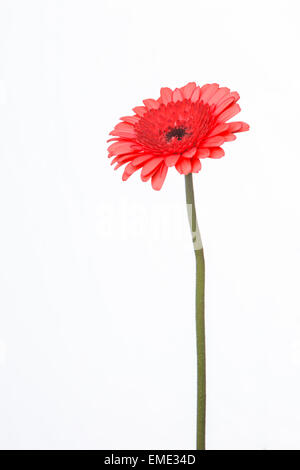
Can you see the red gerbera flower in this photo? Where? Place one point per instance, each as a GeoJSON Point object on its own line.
{"type": "Point", "coordinates": [178, 129]}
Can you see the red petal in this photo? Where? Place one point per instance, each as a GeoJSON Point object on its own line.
{"type": "Point", "coordinates": [123, 126]}
{"type": "Point", "coordinates": [184, 166]}
{"type": "Point", "coordinates": [171, 160]}
{"type": "Point", "coordinates": [141, 159]}
{"type": "Point", "coordinates": [224, 104]}
{"type": "Point", "coordinates": [219, 129]}
{"type": "Point", "coordinates": [209, 92]}
{"type": "Point", "coordinates": [215, 141]}
{"type": "Point", "coordinates": [217, 153]}
{"type": "Point", "coordinates": [129, 170]}
{"type": "Point", "coordinates": [234, 126]}
{"type": "Point", "coordinates": [124, 134]}
{"type": "Point", "coordinates": [220, 94]}
{"type": "Point", "coordinates": [146, 178]}
{"type": "Point", "coordinates": [122, 162]}
{"type": "Point", "coordinates": [178, 166]}
{"type": "Point", "coordinates": [188, 89]}
{"type": "Point", "coordinates": [196, 165]}
{"type": "Point", "coordinates": [151, 104]}
{"type": "Point", "coordinates": [123, 129]}
{"type": "Point", "coordinates": [202, 153]}
{"type": "Point", "coordinates": [159, 177]}
{"type": "Point", "coordinates": [122, 159]}
{"type": "Point", "coordinates": [229, 112]}
{"type": "Point", "coordinates": [150, 166]}
{"type": "Point", "coordinates": [177, 96]}
{"type": "Point", "coordinates": [140, 110]}
{"type": "Point", "coordinates": [195, 95]}
{"type": "Point", "coordinates": [166, 95]}
{"type": "Point", "coordinates": [189, 153]}
{"type": "Point", "coordinates": [131, 119]}
{"type": "Point", "coordinates": [120, 148]}
{"type": "Point", "coordinates": [235, 95]}
{"type": "Point", "coordinates": [238, 126]}
{"type": "Point", "coordinates": [229, 137]}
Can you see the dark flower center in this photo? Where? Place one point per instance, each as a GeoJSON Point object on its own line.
{"type": "Point", "coordinates": [174, 128]}
{"type": "Point", "coordinates": [178, 132]}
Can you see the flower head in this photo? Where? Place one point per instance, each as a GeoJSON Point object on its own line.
{"type": "Point", "coordinates": [180, 128]}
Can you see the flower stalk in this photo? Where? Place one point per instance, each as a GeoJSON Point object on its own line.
{"type": "Point", "coordinates": [200, 317]}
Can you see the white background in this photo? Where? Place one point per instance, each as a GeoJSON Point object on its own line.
{"type": "Point", "coordinates": [97, 346]}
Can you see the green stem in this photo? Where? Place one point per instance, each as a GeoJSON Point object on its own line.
{"type": "Point", "coordinates": [200, 320]}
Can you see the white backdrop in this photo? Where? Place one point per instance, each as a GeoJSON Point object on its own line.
{"type": "Point", "coordinates": [97, 346]}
